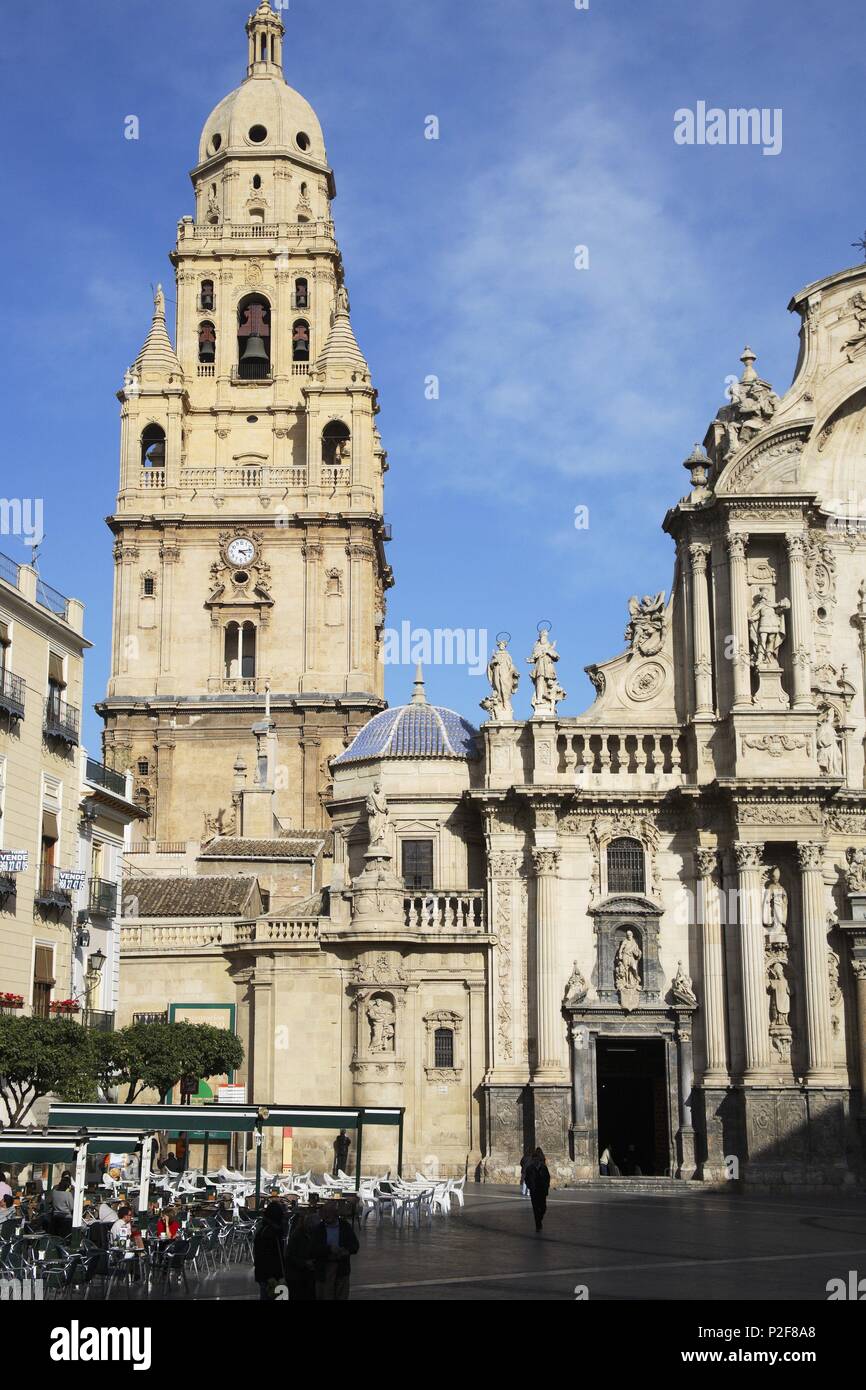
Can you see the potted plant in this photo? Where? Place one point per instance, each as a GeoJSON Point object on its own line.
{"type": "Point", "coordinates": [64, 1006]}
{"type": "Point", "coordinates": [11, 1001]}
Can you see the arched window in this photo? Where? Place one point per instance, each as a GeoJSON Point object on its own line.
{"type": "Point", "coordinates": [254, 338]}
{"type": "Point", "coordinates": [625, 866]}
{"type": "Point", "coordinates": [153, 447]}
{"type": "Point", "coordinates": [206, 341]}
{"type": "Point", "coordinates": [335, 444]}
{"type": "Point", "coordinates": [300, 341]}
{"type": "Point", "coordinates": [206, 299]}
{"type": "Point", "coordinates": [443, 1047]}
{"type": "Point", "coordinates": [302, 294]}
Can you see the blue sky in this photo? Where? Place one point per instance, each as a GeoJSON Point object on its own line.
{"type": "Point", "coordinates": [558, 387]}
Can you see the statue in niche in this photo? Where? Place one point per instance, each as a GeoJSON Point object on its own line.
{"type": "Point", "coordinates": [766, 628]}
{"type": "Point", "coordinates": [377, 815]}
{"type": "Point", "coordinates": [645, 630]}
{"type": "Point", "coordinates": [774, 913]}
{"type": "Point", "coordinates": [682, 988]}
{"type": "Point", "coordinates": [380, 1017]}
{"type": "Point", "coordinates": [504, 679]}
{"type": "Point", "coordinates": [548, 691]}
{"type": "Point", "coordinates": [213, 209]}
{"type": "Point", "coordinates": [780, 994]}
{"type": "Point", "coordinates": [626, 975]}
{"type": "Point", "coordinates": [827, 742]}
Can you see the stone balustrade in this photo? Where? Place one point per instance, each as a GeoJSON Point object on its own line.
{"type": "Point", "coordinates": [242, 231]}
{"type": "Point", "coordinates": [445, 911]}
{"type": "Point", "coordinates": [191, 936]}
{"type": "Point", "coordinates": [619, 757]}
{"type": "Point", "coordinates": [253, 477]}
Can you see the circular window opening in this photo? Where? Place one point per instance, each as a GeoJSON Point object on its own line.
{"type": "Point", "coordinates": [302, 140]}
{"type": "Point", "coordinates": [257, 180]}
{"type": "Point", "coordinates": [257, 134]}
{"type": "Point", "coordinates": [241, 576]}
{"type": "Point", "coordinates": [821, 614]}
{"type": "Point", "coordinates": [252, 419]}
{"type": "Point", "coordinates": [216, 142]}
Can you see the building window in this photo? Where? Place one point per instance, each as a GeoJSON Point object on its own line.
{"type": "Point", "coordinates": [56, 684]}
{"type": "Point", "coordinates": [302, 294]}
{"type": "Point", "coordinates": [254, 338]}
{"type": "Point", "coordinates": [417, 861]}
{"type": "Point", "coordinates": [443, 1048]}
{"type": "Point", "coordinates": [206, 341]}
{"type": "Point", "coordinates": [336, 448]}
{"type": "Point", "coordinates": [148, 585]}
{"type": "Point", "coordinates": [206, 297]}
{"type": "Point", "coordinates": [240, 651]}
{"type": "Point", "coordinates": [153, 447]}
{"type": "Point", "coordinates": [143, 767]}
{"type": "Point", "coordinates": [300, 341]}
{"type": "Point", "coordinates": [625, 866]}
{"type": "Point", "coordinates": [5, 645]}
{"type": "Point", "coordinates": [43, 981]}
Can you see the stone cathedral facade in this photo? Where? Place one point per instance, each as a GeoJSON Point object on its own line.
{"type": "Point", "coordinates": [640, 927]}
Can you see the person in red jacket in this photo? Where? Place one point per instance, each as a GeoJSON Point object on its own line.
{"type": "Point", "coordinates": [168, 1224]}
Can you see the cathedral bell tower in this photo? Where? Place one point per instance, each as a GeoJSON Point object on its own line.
{"type": "Point", "coordinates": [249, 535]}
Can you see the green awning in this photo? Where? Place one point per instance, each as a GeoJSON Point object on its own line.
{"type": "Point", "coordinates": [36, 1150]}
{"type": "Point", "coordinates": [226, 1119]}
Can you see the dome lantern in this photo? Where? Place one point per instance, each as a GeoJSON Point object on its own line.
{"type": "Point", "coordinates": [265, 32]}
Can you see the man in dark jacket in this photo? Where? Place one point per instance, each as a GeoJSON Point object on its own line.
{"type": "Point", "coordinates": [333, 1243]}
{"type": "Point", "coordinates": [537, 1179]}
{"type": "Point", "coordinates": [269, 1251]}
{"type": "Point", "coordinates": [300, 1266]}
{"type": "Point", "coordinates": [341, 1153]}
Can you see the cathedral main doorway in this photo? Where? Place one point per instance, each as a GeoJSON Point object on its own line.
{"type": "Point", "coordinates": [633, 1103]}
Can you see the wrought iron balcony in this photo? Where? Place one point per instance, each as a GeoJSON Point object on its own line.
{"type": "Point", "coordinates": [12, 694]}
{"type": "Point", "coordinates": [50, 893]}
{"type": "Point", "coordinates": [61, 720]}
{"type": "Point", "coordinates": [52, 599]}
{"type": "Point", "coordinates": [103, 897]}
{"type": "Point", "coordinates": [101, 776]}
{"type": "Point", "coordinates": [99, 1020]}
{"type": "Point", "coordinates": [150, 1018]}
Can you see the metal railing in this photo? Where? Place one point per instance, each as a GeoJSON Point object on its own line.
{"type": "Point", "coordinates": [99, 1020]}
{"type": "Point", "coordinates": [9, 570]}
{"type": "Point", "coordinates": [103, 897]}
{"type": "Point", "coordinates": [52, 599]}
{"type": "Point", "coordinates": [12, 693]}
{"type": "Point", "coordinates": [102, 776]}
{"type": "Point", "coordinates": [252, 371]}
{"type": "Point", "coordinates": [49, 892]}
{"type": "Point", "coordinates": [150, 1018]}
{"type": "Point", "coordinates": [61, 720]}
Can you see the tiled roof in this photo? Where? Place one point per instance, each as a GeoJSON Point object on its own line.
{"type": "Point", "coordinates": [300, 844]}
{"type": "Point", "coordinates": [212, 895]}
{"type": "Point", "coordinates": [413, 731]}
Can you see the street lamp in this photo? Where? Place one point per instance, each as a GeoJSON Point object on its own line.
{"type": "Point", "coordinates": [95, 963]}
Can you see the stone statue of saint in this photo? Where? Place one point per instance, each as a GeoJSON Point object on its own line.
{"type": "Point", "coordinates": [645, 630]}
{"type": "Point", "coordinates": [159, 302]}
{"type": "Point", "coordinates": [626, 974]}
{"type": "Point", "coordinates": [855, 873]}
{"type": "Point", "coordinates": [504, 679]}
{"type": "Point", "coordinates": [766, 628]}
{"type": "Point", "coordinates": [342, 300]}
{"type": "Point", "coordinates": [682, 988]}
{"type": "Point", "coordinates": [380, 1016]}
{"type": "Point", "coordinates": [780, 995]}
{"type": "Point", "coordinates": [775, 907]}
{"type": "Point", "coordinates": [548, 691]}
{"type": "Point", "coordinates": [377, 815]}
{"type": "Point", "coordinates": [827, 741]}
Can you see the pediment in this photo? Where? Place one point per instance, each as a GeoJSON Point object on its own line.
{"type": "Point", "coordinates": [625, 905]}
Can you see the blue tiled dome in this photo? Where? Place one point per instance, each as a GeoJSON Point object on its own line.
{"type": "Point", "coordinates": [416, 730]}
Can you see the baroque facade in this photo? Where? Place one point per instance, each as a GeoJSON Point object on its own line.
{"type": "Point", "coordinates": [641, 927]}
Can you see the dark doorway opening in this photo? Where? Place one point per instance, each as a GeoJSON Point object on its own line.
{"type": "Point", "coordinates": [633, 1104]}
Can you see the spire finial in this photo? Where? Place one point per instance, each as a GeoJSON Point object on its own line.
{"type": "Point", "coordinates": [265, 33]}
{"type": "Point", "coordinates": [748, 359]}
{"type": "Point", "coordinates": [419, 696]}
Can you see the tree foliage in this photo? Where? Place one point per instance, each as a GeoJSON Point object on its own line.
{"type": "Point", "coordinates": [40, 1057]}
{"type": "Point", "coordinates": [158, 1055]}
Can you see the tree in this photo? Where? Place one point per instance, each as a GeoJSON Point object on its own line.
{"type": "Point", "coordinates": [42, 1056]}
{"type": "Point", "coordinates": [155, 1056]}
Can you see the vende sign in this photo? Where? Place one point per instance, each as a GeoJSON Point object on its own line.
{"type": "Point", "coordinates": [13, 861]}
{"type": "Point", "coordinates": [70, 879]}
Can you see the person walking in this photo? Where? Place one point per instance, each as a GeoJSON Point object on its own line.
{"type": "Point", "coordinates": [527, 1157]}
{"type": "Point", "coordinates": [537, 1178]}
{"type": "Point", "coordinates": [333, 1244]}
{"type": "Point", "coordinates": [342, 1144]}
{"type": "Point", "coordinates": [269, 1254]}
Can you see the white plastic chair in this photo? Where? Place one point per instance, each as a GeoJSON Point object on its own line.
{"type": "Point", "coordinates": [455, 1188]}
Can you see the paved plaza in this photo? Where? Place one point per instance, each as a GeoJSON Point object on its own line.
{"type": "Point", "coordinates": [704, 1247]}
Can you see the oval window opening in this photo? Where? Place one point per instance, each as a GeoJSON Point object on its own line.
{"type": "Point", "coordinates": [257, 134]}
{"type": "Point", "coordinates": [303, 141]}
{"type": "Point", "coordinates": [216, 142]}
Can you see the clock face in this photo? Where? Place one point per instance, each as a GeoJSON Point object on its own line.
{"type": "Point", "coordinates": [240, 551]}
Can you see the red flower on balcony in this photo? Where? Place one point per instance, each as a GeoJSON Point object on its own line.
{"type": "Point", "coordinates": [11, 1001]}
{"type": "Point", "coordinates": [64, 1006]}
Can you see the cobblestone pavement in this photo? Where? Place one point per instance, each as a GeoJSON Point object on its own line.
{"type": "Point", "coordinates": [712, 1246]}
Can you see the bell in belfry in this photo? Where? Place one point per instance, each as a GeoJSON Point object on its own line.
{"type": "Point", "coordinates": [254, 349]}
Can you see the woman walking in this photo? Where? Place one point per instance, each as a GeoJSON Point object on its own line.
{"type": "Point", "coordinates": [537, 1179]}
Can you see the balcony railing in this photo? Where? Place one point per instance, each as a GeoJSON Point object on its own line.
{"type": "Point", "coordinates": [9, 570]}
{"type": "Point", "coordinates": [253, 477]}
{"type": "Point", "coordinates": [61, 720]}
{"type": "Point", "coordinates": [103, 897]}
{"type": "Point", "coordinates": [206, 369]}
{"type": "Point", "coordinates": [620, 756]}
{"type": "Point", "coordinates": [444, 912]}
{"type": "Point", "coordinates": [99, 1020]}
{"type": "Point", "coordinates": [152, 477]}
{"type": "Point", "coordinates": [50, 893]}
{"type": "Point", "coordinates": [12, 694]}
{"type": "Point", "coordinates": [239, 231]}
{"type": "Point", "coordinates": [252, 371]}
{"type": "Point", "coordinates": [102, 776]}
{"type": "Point", "coordinates": [150, 1018]}
{"type": "Point", "coordinates": [52, 599]}
{"type": "Point", "coordinates": [203, 935]}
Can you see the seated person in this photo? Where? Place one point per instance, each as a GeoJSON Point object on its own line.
{"type": "Point", "coordinates": [8, 1211]}
{"type": "Point", "coordinates": [168, 1224]}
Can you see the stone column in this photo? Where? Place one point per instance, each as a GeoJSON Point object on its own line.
{"type": "Point", "coordinates": [703, 667]}
{"type": "Point", "coordinates": [737, 545]}
{"type": "Point", "coordinates": [800, 636]}
{"type": "Point", "coordinates": [858, 967]}
{"type": "Point", "coordinates": [713, 967]}
{"type": "Point", "coordinates": [756, 1022]}
{"type": "Point", "coordinates": [685, 1059]}
{"type": "Point", "coordinates": [548, 983]}
{"type": "Point", "coordinates": [819, 1035]}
